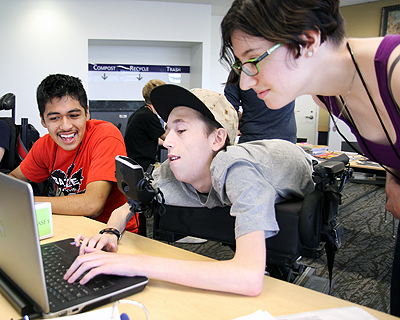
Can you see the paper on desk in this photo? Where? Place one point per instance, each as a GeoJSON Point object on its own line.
{"type": "Point", "coordinates": [346, 313]}
{"type": "Point", "coordinates": [258, 315]}
{"type": "Point", "coordinates": [101, 314]}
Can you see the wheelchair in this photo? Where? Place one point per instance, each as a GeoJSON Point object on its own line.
{"type": "Point", "coordinates": [22, 136]}
{"type": "Point", "coordinates": [308, 227]}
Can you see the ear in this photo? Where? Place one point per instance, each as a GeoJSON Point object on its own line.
{"type": "Point", "coordinates": [219, 139]}
{"type": "Point", "coordinates": [313, 41]}
{"type": "Point", "coordinates": [87, 113]}
{"type": "Point", "coordinates": [42, 121]}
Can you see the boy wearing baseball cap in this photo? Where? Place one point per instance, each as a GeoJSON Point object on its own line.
{"type": "Point", "coordinates": [204, 168]}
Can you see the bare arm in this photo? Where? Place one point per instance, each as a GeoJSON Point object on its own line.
{"type": "Point", "coordinates": [392, 183]}
{"type": "Point", "coordinates": [89, 204]}
{"type": "Point", "coordinates": [244, 274]}
{"type": "Point", "coordinates": [2, 151]}
{"type": "Point", "coordinates": [17, 173]}
{"type": "Point", "coordinates": [393, 194]}
{"type": "Point", "coordinates": [106, 241]}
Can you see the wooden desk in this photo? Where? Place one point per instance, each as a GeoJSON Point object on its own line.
{"type": "Point", "coordinates": [169, 301]}
{"type": "Point", "coordinates": [368, 174]}
{"type": "Point", "coordinates": [366, 168]}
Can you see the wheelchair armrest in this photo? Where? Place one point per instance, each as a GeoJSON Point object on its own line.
{"type": "Point", "coordinates": [330, 168]}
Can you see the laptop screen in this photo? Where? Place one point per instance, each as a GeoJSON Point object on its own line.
{"type": "Point", "coordinates": [20, 256]}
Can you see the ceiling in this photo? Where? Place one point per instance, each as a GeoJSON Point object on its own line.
{"type": "Point", "coordinates": [220, 7]}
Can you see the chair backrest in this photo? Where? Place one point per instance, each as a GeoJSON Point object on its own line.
{"type": "Point", "coordinates": [7, 102]}
{"type": "Point", "coordinates": [22, 136]}
{"type": "Point", "coordinates": [9, 159]}
{"type": "Point", "coordinates": [27, 136]}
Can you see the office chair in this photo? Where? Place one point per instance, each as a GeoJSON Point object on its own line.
{"type": "Point", "coordinates": [7, 102]}
{"type": "Point", "coordinates": [308, 227]}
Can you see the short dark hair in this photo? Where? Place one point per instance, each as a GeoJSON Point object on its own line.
{"type": "Point", "coordinates": [211, 126]}
{"type": "Point", "coordinates": [281, 21]}
{"type": "Point", "coordinates": [58, 86]}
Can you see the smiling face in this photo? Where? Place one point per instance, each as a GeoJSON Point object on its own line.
{"type": "Point", "coordinates": [190, 150]}
{"type": "Point", "coordinates": [277, 82]}
{"type": "Point", "coordinates": [65, 119]}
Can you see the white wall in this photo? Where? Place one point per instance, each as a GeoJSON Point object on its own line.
{"type": "Point", "coordinates": [335, 140]}
{"type": "Point", "coordinates": [219, 74]}
{"type": "Point", "coordinates": [45, 36]}
{"type": "Point", "coordinates": [125, 85]}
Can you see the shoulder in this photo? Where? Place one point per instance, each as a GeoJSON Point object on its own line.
{"type": "Point", "coordinates": [44, 148]}
{"type": "Point", "coordinates": [94, 124]}
{"type": "Point", "coordinates": [270, 155]}
{"type": "Point", "coordinates": [45, 140]}
{"type": "Point", "coordinates": [101, 128]}
{"type": "Point", "coordinates": [290, 106]}
{"type": "Point", "coordinates": [256, 150]}
{"type": "Point", "coordinates": [142, 113]}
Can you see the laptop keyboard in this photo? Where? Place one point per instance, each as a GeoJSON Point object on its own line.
{"type": "Point", "coordinates": [56, 262]}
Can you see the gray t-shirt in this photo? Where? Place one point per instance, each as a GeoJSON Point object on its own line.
{"type": "Point", "coordinates": [250, 177]}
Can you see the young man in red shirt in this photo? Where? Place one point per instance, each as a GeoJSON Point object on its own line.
{"type": "Point", "coordinates": [78, 154]}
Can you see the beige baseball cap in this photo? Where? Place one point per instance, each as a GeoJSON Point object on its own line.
{"type": "Point", "coordinates": [212, 104]}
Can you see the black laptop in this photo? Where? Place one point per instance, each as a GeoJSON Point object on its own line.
{"type": "Point", "coordinates": [31, 274]}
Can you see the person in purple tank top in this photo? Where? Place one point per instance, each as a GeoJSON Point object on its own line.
{"type": "Point", "coordinates": [300, 47]}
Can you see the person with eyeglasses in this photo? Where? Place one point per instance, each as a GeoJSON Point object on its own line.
{"type": "Point", "coordinates": [291, 48]}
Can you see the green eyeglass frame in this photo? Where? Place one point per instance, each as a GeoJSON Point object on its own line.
{"type": "Point", "coordinates": [238, 67]}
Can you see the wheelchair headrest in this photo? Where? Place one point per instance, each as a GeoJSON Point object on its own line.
{"type": "Point", "coordinates": [7, 101]}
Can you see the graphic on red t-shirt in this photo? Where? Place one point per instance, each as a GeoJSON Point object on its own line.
{"type": "Point", "coordinates": [66, 183]}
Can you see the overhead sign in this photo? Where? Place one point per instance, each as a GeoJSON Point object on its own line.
{"type": "Point", "coordinates": [138, 68]}
{"type": "Point", "coordinates": [109, 81]}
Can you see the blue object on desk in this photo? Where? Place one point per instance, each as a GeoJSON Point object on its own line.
{"type": "Point", "coordinates": [124, 316]}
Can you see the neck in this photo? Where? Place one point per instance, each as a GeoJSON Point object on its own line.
{"type": "Point", "coordinates": [203, 186]}
{"type": "Point", "coordinates": [150, 106]}
{"type": "Point", "coordinates": [338, 70]}
{"type": "Point", "coordinates": [203, 182]}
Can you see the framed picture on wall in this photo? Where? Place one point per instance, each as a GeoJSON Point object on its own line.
{"type": "Point", "coordinates": [390, 23]}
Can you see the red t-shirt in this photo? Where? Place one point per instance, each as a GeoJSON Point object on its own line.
{"type": "Point", "coordinates": [73, 170]}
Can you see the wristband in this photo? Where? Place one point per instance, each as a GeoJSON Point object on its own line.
{"type": "Point", "coordinates": [113, 231]}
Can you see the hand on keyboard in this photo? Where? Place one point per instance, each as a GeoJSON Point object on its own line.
{"type": "Point", "coordinates": [105, 241]}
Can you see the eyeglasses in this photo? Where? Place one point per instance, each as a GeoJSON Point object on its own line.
{"type": "Point", "coordinates": [251, 67]}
